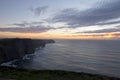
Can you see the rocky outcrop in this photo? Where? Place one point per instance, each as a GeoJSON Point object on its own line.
{"type": "Point", "coordinates": [11, 49]}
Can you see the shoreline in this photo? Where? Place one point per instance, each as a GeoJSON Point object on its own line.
{"type": "Point", "coordinates": [17, 48]}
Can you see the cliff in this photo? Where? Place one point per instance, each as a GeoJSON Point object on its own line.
{"type": "Point", "coordinates": [11, 49]}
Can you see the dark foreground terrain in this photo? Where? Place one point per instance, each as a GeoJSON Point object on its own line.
{"type": "Point", "coordinates": [11, 49]}
{"type": "Point", "coordinates": [25, 74]}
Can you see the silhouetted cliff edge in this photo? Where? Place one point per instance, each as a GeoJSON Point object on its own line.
{"type": "Point", "coordinates": [11, 49]}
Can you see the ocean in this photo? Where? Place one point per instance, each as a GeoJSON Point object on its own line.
{"type": "Point", "coordinates": [91, 56]}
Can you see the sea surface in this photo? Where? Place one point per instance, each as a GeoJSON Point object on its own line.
{"type": "Point", "coordinates": [91, 56]}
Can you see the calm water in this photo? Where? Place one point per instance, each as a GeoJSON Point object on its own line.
{"type": "Point", "coordinates": [92, 56]}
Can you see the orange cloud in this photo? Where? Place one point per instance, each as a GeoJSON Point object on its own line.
{"type": "Point", "coordinates": [111, 35]}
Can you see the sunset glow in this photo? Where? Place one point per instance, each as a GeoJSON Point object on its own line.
{"type": "Point", "coordinates": [79, 19]}
{"type": "Point", "coordinates": [58, 36]}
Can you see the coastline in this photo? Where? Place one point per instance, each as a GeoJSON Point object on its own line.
{"type": "Point", "coordinates": [17, 48]}
{"type": "Point", "coordinates": [10, 72]}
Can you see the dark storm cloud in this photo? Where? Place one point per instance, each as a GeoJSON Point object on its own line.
{"type": "Point", "coordinates": [39, 10]}
{"type": "Point", "coordinates": [89, 17]}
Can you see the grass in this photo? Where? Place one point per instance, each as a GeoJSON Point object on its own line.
{"type": "Point", "coordinates": [25, 74]}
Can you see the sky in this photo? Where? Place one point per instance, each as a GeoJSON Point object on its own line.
{"type": "Point", "coordinates": [60, 19]}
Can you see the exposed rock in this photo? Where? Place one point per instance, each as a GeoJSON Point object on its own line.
{"type": "Point", "coordinates": [11, 49]}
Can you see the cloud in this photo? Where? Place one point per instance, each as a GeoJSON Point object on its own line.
{"type": "Point", "coordinates": [39, 10]}
{"type": "Point", "coordinates": [117, 34]}
{"type": "Point", "coordinates": [27, 27]}
{"type": "Point", "coordinates": [89, 17]}
{"type": "Point", "coordinates": [117, 29]}
{"type": "Point", "coordinates": [23, 24]}
{"type": "Point", "coordinates": [30, 27]}
{"type": "Point", "coordinates": [27, 24]}
{"type": "Point", "coordinates": [96, 36]}
{"type": "Point", "coordinates": [74, 18]}
{"type": "Point", "coordinates": [34, 29]}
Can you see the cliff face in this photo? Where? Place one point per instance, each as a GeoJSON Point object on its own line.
{"type": "Point", "coordinates": [11, 49]}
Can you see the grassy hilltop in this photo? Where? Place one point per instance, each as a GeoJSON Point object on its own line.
{"type": "Point", "coordinates": [25, 74]}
